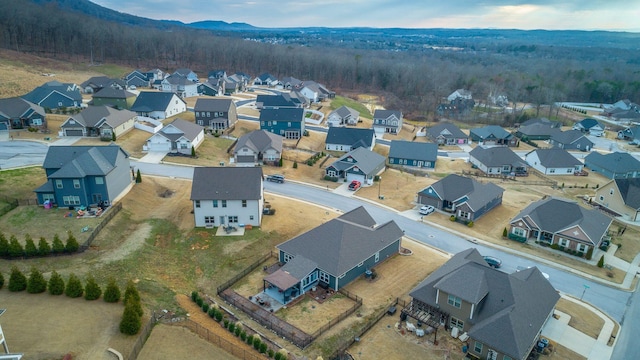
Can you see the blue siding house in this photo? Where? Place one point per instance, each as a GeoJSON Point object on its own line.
{"type": "Point", "coordinates": [418, 154]}
{"type": "Point", "coordinates": [286, 122]}
{"type": "Point", "coordinates": [54, 94]}
{"type": "Point", "coordinates": [84, 175]}
{"type": "Point", "coordinates": [332, 254]}
{"type": "Point", "coordinates": [617, 165]}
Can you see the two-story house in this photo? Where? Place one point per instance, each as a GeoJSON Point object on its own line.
{"type": "Point", "coordinates": [158, 105]}
{"type": "Point", "coordinates": [216, 114]}
{"type": "Point", "coordinates": [387, 121]}
{"type": "Point", "coordinates": [288, 122]}
{"type": "Point", "coordinates": [258, 147]}
{"type": "Point", "coordinates": [180, 85]}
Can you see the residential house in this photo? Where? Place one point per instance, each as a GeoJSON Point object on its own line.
{"type": "Point", "coordinates": [265, 79]}
{"type": "Point", "coordinates": [216, 114]}
{"type": "Point", "coordinates": [332, 255]}
{"type": "Point", "coordinates": [553, 161]}
{"type": "Point", "coordinates": [211, 87]}
{"type": "Point", "coordinates": [493, 135]}
{"type": "Point", "coordinates": [535, 131]}
{"type": "Point", "coordinates": [447, 134]}
{"type": "Point", "coordinates": [235, 83]}
{"type": "Point", "coordinates": [18, 113]}
{"type": "Point", "coordinates": [290, 83]}
{"type": "Point", "coordinates": [343, 115]}
{"type": "Point", "coordinates": [97, 83]}
{"type": "Point", "coordinates": [460, 94]}
{"type": "Point", "coordinates": [501, 161]}
{"type": "Point", "coordinates": [117, 98]}
{"type": "Point", "coordinates": [100, 121]}
{"type": "Point", "coordinates": [347, 139]}
{"type": "Point", "coordinates": [138, 79]}
{"type": "Point", "coordinates": [561, 222]}
{"type": "Point", "coordinates": [360, 164]}
{"type": "Point", "coordinates": [187, 73]}
{"type": "Point", "coordinates": [570, 140]}
{"type": "Point", "coordinates": [217, 74]}
{"type": "Point", "coordinates": [541, 120]}
{"type": "Point", "coordinates": [621, 196]}
{"type": "Point", "coordinates": [456, 107]}
{"type": "Point", "coordinates": [387, 121]}
{"type": "Point", "coordinates": [179, 136]}
{"type": "Point", "coordinates": [590, 126]}
{"type": "Point", "coordinates": [54, 95]}
{"type": "Point", "coordinates": [617, 165]}
{"type": "Point", "coordinates": [158, 105]}
{"type": "Point", "coordinates": [623, 110]}
{"type": "Point", "coordinates": [417, 154]}
{"type": "Point", "coordinates": [284, 100]}
{"type": "Point", "coordinates": [500, 315]}
{"type": "Point", "coordinates": [288, 122]}
{"type": "Point", "coordinates": [631, 134]}
{"type": "Point", "coordinates": [227, 196]}
{"type": "Point", "coordinates": [155, 74]}
{"type": "Point", "coordinates": [180, 85]}
{"type": "Point", "coordinates": [314, 91]}
{"type": "Point", "coordinates": [258, 147]}
{"type": "Point", "coordinates": [461, 196]}
{"type": "Point", "coordinates": [84, 175]}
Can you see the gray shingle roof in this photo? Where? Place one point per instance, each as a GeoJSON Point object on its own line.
{"type": "Point", "coordinates": [189, 129]}
{"type": "Point", "coordinates": [70, 90]}
{"type": "Point", "coordinates": [401, 149]}
{"type": "Point", "coordinates": [226, 183]}
{"type": "Point", "coordinates": [512, 308]}
{"type": "Point", "coordinates": [282, 100]}
{"type": "Point", "coordinates": [543, 121]}
{"type": "Point", "coordinates": [491, 130]}
{"type": "Point", "coordinates": [568, 137]}
{"type": "Point", "coordinates": [285, 114]}
{"type": "Point", "coordinates": [224, 105]}
{"type": "Point", "coordinates": [350, 136]}
{"type": "Point", "coordinates": [630, 191]}
{"type": "Point", "coordinates": [15, 107]}
{"type": "Point", "coordinates": [556, 158]}
{"type": "Point", "coordinates": [618, 162]}
{"type": "Point", "coordinates": [344, 111]}
{"type": "Point", "coordinates": [447, 130]}
{"type": "Point", "coordinates": [496, 156]}
{"type": "Point", "coordinates": [259, 141]}
{"type": "Point", "coordinates": [113, 93]}
{"type": "Point", "coordinates": [537, 129]}
{"type": "Point", "coordinates": [455, 187]}
{"type": "Point", "coordinates": [92, 116]}
{"type": "Point", "coordinates": [80, 161]}
{"type": "Point", "coordinates": [342, 243]}
{"type": "Point", "coordinates": [384, 114]}
{"type": "Point", "coordinates": [365, 159]}
{"type": "Point", "coordinates": [153, 101]}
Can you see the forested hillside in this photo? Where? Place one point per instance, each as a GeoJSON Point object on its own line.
{"type": "Point", "coordinates": [413, 70]}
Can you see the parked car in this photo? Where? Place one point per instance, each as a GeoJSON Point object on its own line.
{"type": "Point", "coordinates": [493, 262]}
{"type": "Point", "coordinates": [426, 210]}
{"type": "Point", "coordinates": [276, 178]}
{"type": "Point", "coordinates": [355, 185]}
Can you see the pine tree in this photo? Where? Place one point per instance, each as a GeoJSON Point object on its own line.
{"type": "Point", "coordinates": [504, 233]}
{"type": "Point", "coordinates": [56, 284]}
{"type": "Point", "coordinates": [131, 321]}
{"type": "Point", "coordinates": [1, 280]}
{"type": "Point", "coordinates": [74, 287]}
{"type": "Point", "coordinates": [92, 290]}
{"type": "Point", "coordinates": [44, 248]}
{"type": "Point", "coordinates": [193, 152]}
{"type": "Point", "coordinates": [72, 244]}
{"type": "Point", "coordinates": [138, 177]}
{"type": "Point", "coordinates": [132, 298]}
{"type": "Point", "coordinates": [4, 245]}
{"type": "Point", "coordinates": [36, 283]}
{"type": "Point", "coordinates": [57, 247]}
{"type": "Point", "coordinates": [15, 248]}
{"type": "Point", "coordinates": [30, 248]}
{"type": "Point", "coordinates": [601, 262]}
{"type": "Point", "coordinates": [113, 136]}
{"type": "Point", "coordinates": [112, 292]}
{"type": "Point", "coordinates": [17, 280]}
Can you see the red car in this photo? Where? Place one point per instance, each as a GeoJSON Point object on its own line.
{"type": "Point", "coordinates": [355, 185]}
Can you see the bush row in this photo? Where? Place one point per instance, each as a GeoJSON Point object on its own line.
{"type": "Point", "coordinates": [12, 248]}
{"type": "Point", "coordinates": [312, 160]}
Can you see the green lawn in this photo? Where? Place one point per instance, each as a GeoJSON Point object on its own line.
{"type": "Point", "coordinates": [20, 183]}
{"type": "Point", "coordinates": [355, 105]}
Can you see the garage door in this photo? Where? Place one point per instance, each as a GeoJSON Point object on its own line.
{"type": "Point", "coordinates": [163, 146]}
{"type": "Point", "coordinates": [70, 132]}
{"type": "Point", "coordinates": [351, 177]}
{"type": "Point", "coordinates": [4, 126]}
{"type": "Point", "coordinates": [245, 159]}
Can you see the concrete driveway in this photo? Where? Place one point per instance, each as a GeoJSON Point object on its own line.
{"type": "Point", "coordinates": [154, 157]}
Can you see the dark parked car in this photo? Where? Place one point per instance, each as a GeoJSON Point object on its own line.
{"type": "Point", "coordinates": [493, 262]}
{"type": "Point", "coordinates": [276, 178]}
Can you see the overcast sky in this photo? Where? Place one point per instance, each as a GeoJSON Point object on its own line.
{"type": "Point", "coordinates": [504, 14]}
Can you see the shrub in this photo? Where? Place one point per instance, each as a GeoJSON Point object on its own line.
{"type": "Point", "coordinates": [232, 327]}
{"type": "Point", "coordinates": [555, 246]}
{"type": "Point", "coordinates": [43, 247]}
{"type": "Point", "coordinates": [113, 136]}
{"type": "Point", "coordinates": [4, 245]}
{"type": "Point", "coordinates": [601, 262]}
{"type": "Point", "coordinates": [1, 281]}
{"type": "Point", "coordinates": [72, 244]}
{"type": "Point", "coordinates": [295, 164]}
{"type": "Point", "coordinates": [36, 283]}
{"type": "Point", "coordinates": [470, 224]}
{"type": "Point", "coordinates": [56, 284]}
{"type": "Point", "coordinates": [74, 287]}
{"type": "Point", "coordinates": [205, 307]}
{"type": "Point", "coordinates": [131, 292]}
{"type": "Point", "coordinates": [212, 313]}
{"type": "Point", "coordinates": [331, 178]}
{"type": "Point", "coordinates": [15, 248]}
{"type": "Point", "coordinates": [112, 292]}
{"type": "Point", "coordinates": [30, 248]}
{"type": "Point", "coordinates": [194, 295]}
{"type": "Point", "coordinates": [138, 177]}
{"type": "Point", "coordinates": [219, 315]}
{"type": "Point", "coordinates": [256, 343]}
{"type": "Point", "coordinates": [57, 247]}
{"type": "Point", "coordinates": [226, 323]}
{"type": "Point", "coordinates": [263, 348]}
{"type": "Point", "coordinates": [505, 233]}
{"type": "Point", "coordinates": [589, 253]}
{"type": "Point", "coordinates": [452, 218]}
{"type": "Point", "coordinates": [199, 301]}
{"type": "Point", "coordinates": [237, 331]}
{"type": "Point", "coordinates": [131, 322]}
{"type": "Point", "coordinates": [250, 339]}
{"type": "Point", "coordinates": [243, 335]}
{"type": "Point", "coordinates": [92, 290]}
{"type": "Point", "coordinates": [193, 152]}
{"type": "Point", "coordinates": [580, 254]}
{"type": "Point", "coordinates": [271, 353]}
{"type": "Point", "coordinates": [17, 280]}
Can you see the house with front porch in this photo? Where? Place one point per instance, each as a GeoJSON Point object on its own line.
{"type": "Point", "coordinates": [387, 121]}
{"type": "Point", "coordinates": [447, 134]}
{"type": "Point", "coordinates": [415, 154]}
{"type": "Point", "coordinates": [332, 255]}
{"type": "Point", "coordinates": [570, 140]}
{"type": "Point", "coordinates": [499, 161]}
{"type": "Point", "coordinates": [117, 98]}
{"type": "Point", "coordinates": [99, 121]}
{"type": "Point", "coordinates": [288, 122]}
{"type": "Point", "coordinates": [590, 126]}
{"type": "Point", "coordinates": [466, 198]}
{"type": "Point", "coordinates": [347, 139]}
{"type": "Point", "coordinates": [216, 114]}
{"type": "Point", "coordinates": [257, 148]}
{"type": "Point", "coordinates": [500, 316]}
{"type": "Point", "coordinates": [179, 85]}
{"type": "Point", "coordinates": [493, 135]}
{"type": "Point", "coordinates": [211, 87]}
{"type": "Point", "coordinates": [560, 222]}
{"type": "Point", "coordinates": [18, 113]}
{"type": "Point", "coordinates": [342, 116]}
{"type": "Point", "coordinates": [179, 136]}
{"type": "Point", "coordinates": [265, 79]}
{"type": "Point", "coordinates": [359, 164]}
{"type": "Point", "coordinates": [227, 196]}
{"type": "Point", "coordinates": [158, 105]}
{"type": "Point", "coordinates": [553, 162]}
{"type": "Point", "coordinates": [616, 165]}
{"type": "Point", "coordinates": [621, 196]}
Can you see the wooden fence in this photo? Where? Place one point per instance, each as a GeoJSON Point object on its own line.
{"type": "Point", "coordinates": [244, 272]}
{"type": "Point", "coordinates": [106, 217]}
{"type": "Point", "coordinates": [218, 341]}
{"type": "Point", "coordinates": [142, 338]}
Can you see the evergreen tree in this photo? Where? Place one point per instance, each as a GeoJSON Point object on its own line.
{"type": "Point", "coordinates": [4, 245]}
{"type": "Point", "coordinates": [193, 152]}
{"type": "Point", "coordinates": [138, 177]}
{"type": "Point", "coordinates": [72, 244]}
{"type": "Point", "coordinates": [36, 283]}
{"type": "Point", "coordinates": [112, 292]}
{"type": "Point", "coordinates": [131, 321]}
{"type": "Point", "coordinates": [57, 247]}
{"type": "Point", "coordinates": [113, 136]}
{"type": "Point", "coordinates": [601, 262]}
{"type": "Point", "coordinates": [56, 284]}
{"type": "Point", "coordinates": [74, 287]}
{"type": "Point", "coordinates": [92, 290]}
{"type": "Point", "coordinates": [30, 248]}
{"type": "Point", "coordinates": [132, 298]}
{"type": "Point", "coordinates": [1, 280]}
{"type": "Point", "coordinates": [15, 248]}
{"type": "Point", "coordinates": [44, 248]}
{"type": "Point", "coordinates": [17, 280]}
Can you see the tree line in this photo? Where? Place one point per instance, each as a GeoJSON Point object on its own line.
{"type": "Point", "coordinates": [414, 80]}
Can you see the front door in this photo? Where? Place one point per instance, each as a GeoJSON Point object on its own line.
{"type": "Point", "coordinates": [96, 198]}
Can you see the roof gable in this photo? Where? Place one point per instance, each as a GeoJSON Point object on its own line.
{"type": "Point", "coordinates": [226, 183]}
{"type": "Point", "coordinates": [401, 149]}
{"type": "Point", "coordinates": [350, 136]}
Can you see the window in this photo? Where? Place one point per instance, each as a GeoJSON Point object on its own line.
{"type": "Point", "coordinates": [477, 347]}
{"type": "Point", "coordinates": [519, 232]}
{"type": "Point", "coordinates": [506, 358]}
{"type": "Point", "coordinates": [456, 323]}
{"type": "Point", "coordinates": [232, 219]}
{"type": "Point", "coordinates": [581, 247]}
{"type": "Point", "coordinates": [59, 184]}
{"type": "Point", "coordinates": [184, 146]}
{"type": "Point", "coordinates": [99, 180]}
{"type": "Point", "coordinates": [36, 121]}
{"type": "Point", "coordinates": [200, 122]}
{"type": "Point", "coordinates": [570, 171]}
{"type": "Point", "coordinates": [71, 200]}
{"type": "Point", "coordinates": [286, 257]}
{"type": "Point", "coordinates": [215, 203]}
{"type": "Point", "coordinates": [209, 219]}
{"type": "Point", "coordinates": [224, 203]}
{"type": "Point", "coordinates": [244, 203]}
{"type": "Point", "coordinates": [454, 301]}
{"type": "Point", "coordinates": [611, 192]}
{"type": "Point", "coordinates": [552, 171]}
{"type": "Point", "coordinates": [49, 197]}
{"type": "Point", "coordinates": [377, 256]}
{"type": "Point", "coordinates": [197, 204]}
{"type": "Point", "coordinates": [324, 277]}
{"type": "Point", "coordinates": [289, 124]}
{"type": "Point", "coordinates": [465, 215]}
{"type": "Point", "coordinates": [198, 114]}
{"type": "Point", "coordinates": [250, 217]}
{"type": "Point", "coordinates": [563, 242]}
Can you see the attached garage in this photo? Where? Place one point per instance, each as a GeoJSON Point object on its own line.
{"type": "Point", "coordinates": [245, 159]}
{"type": "Point", "coordinates": [359, 177]}
{"type": "Point", "coordinates": [72, 132]}
{"type": "Point", "coordinates": [4, 126]}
